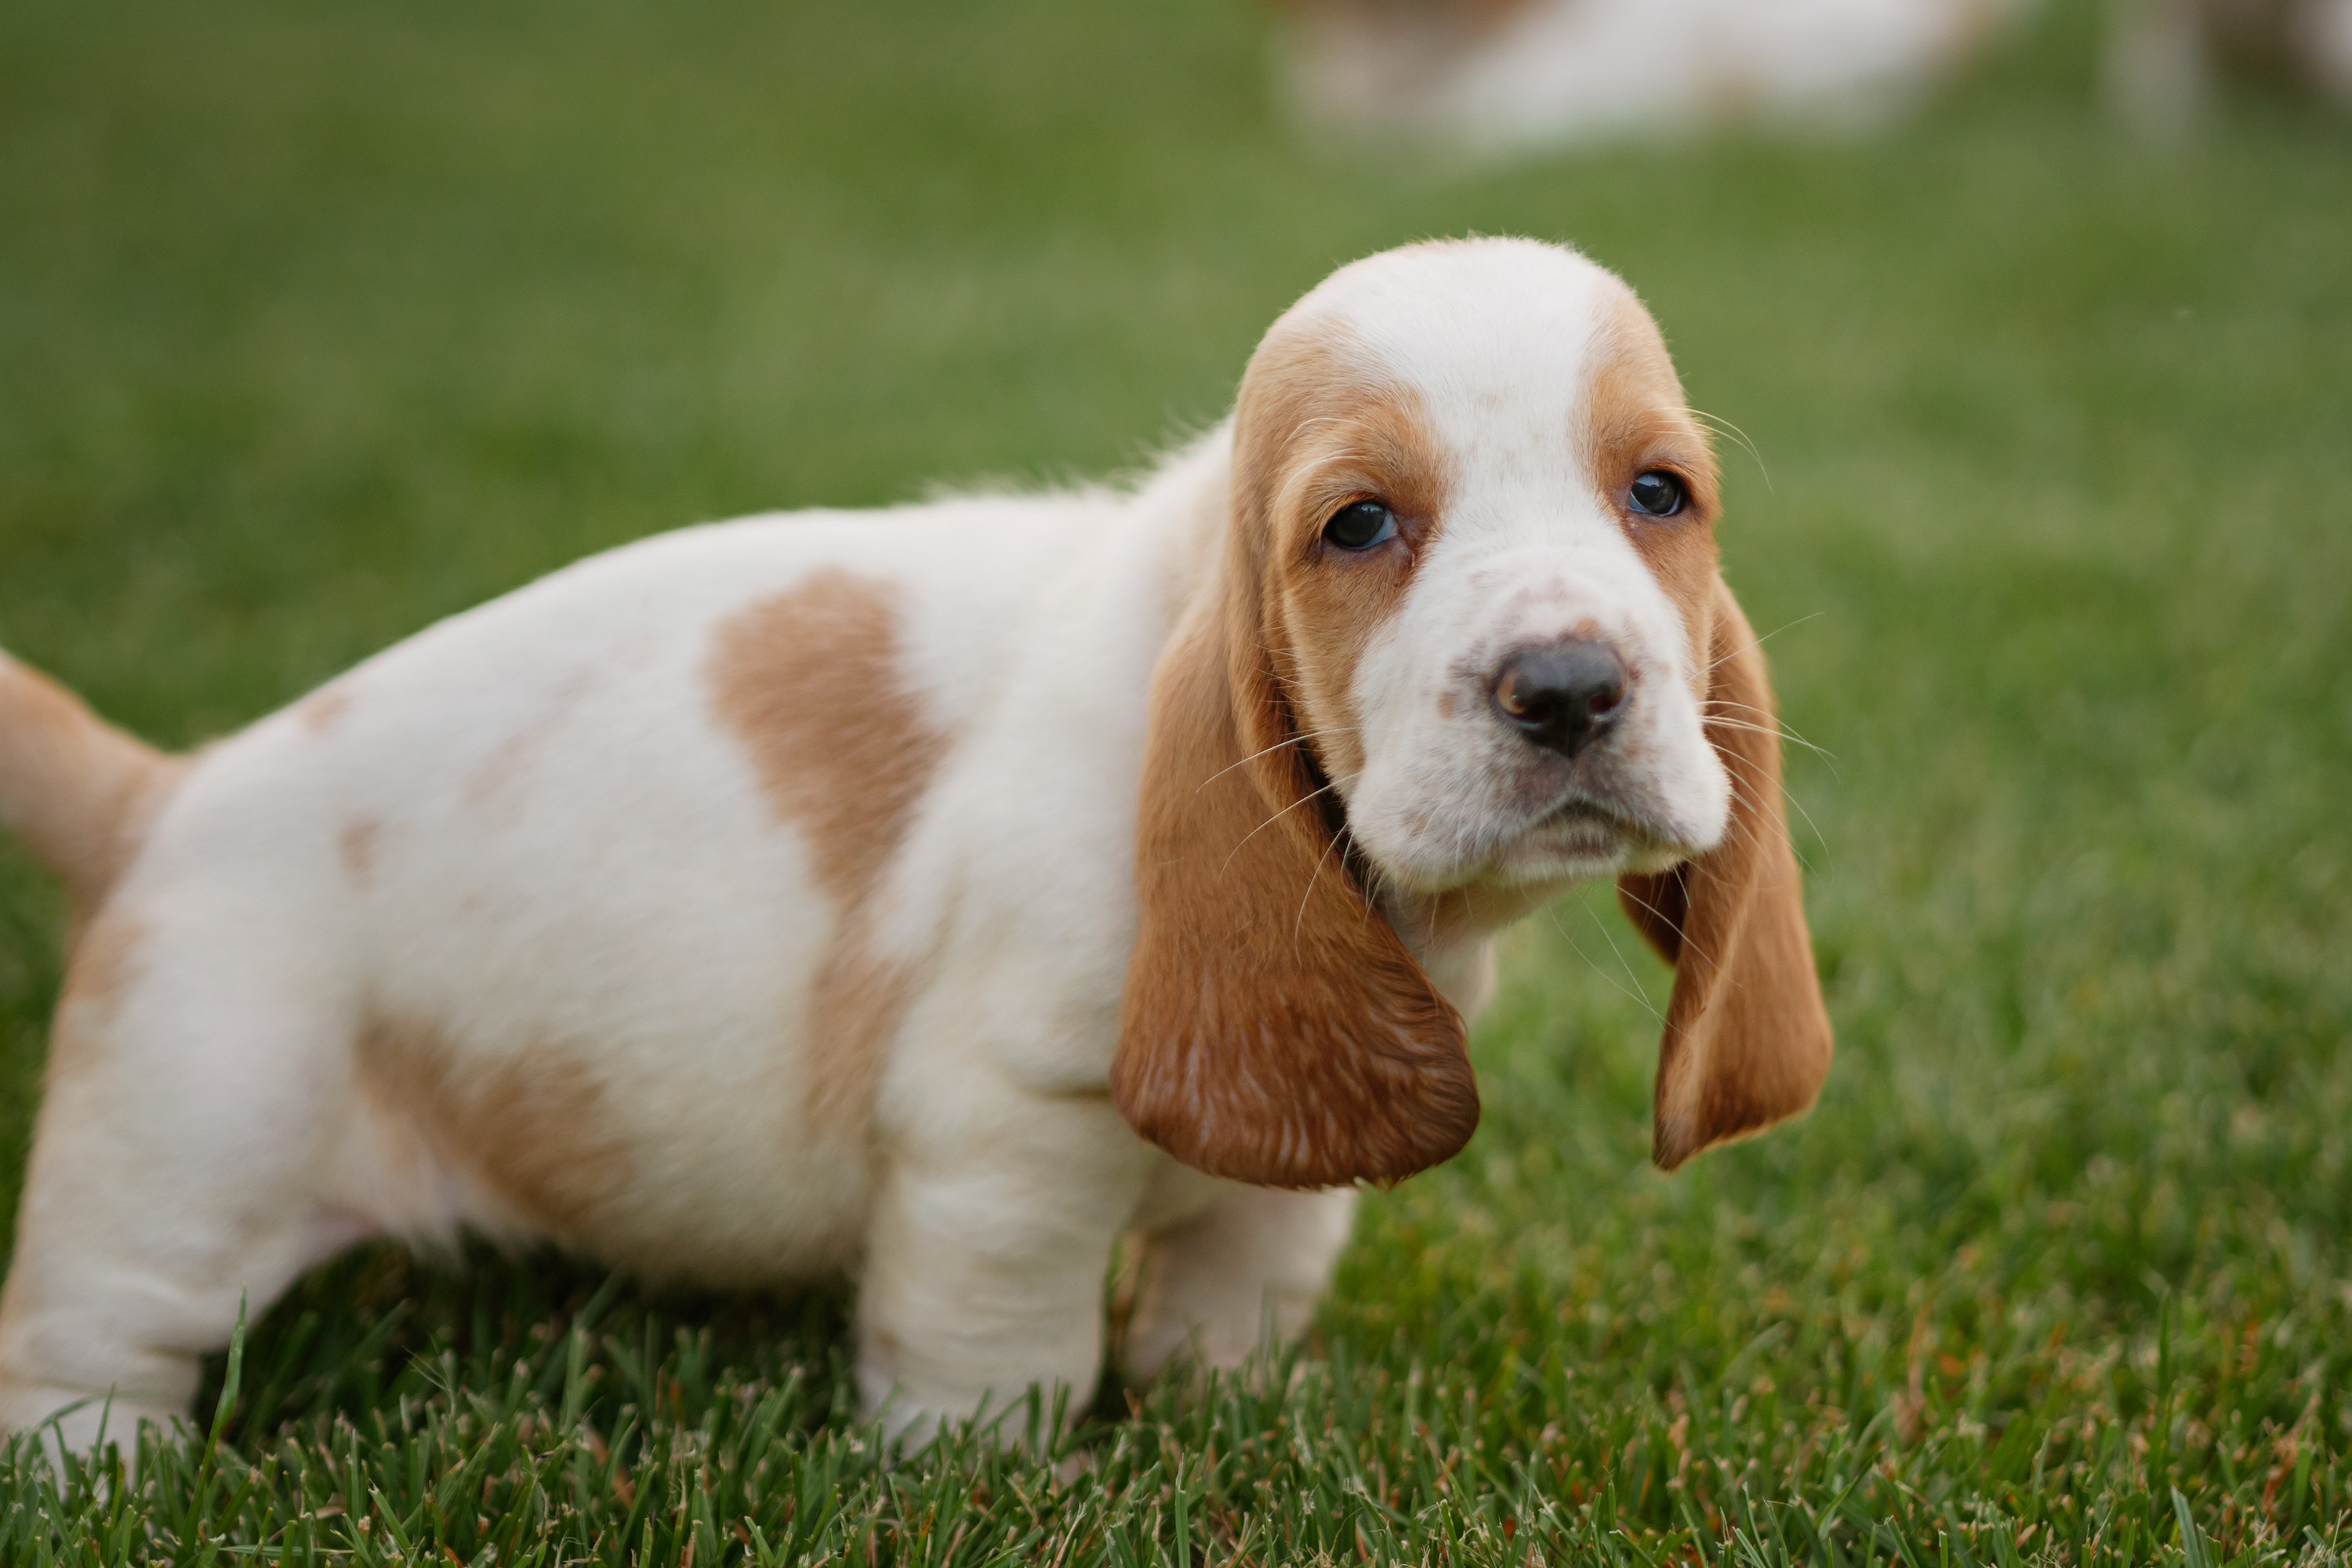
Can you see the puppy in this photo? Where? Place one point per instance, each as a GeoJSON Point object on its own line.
{"type": "Point", "coordinates": [938, 893]}
{"type": "Point", "coordinates": [2164, 57]}
{"type": "Point", "coordinates": [1495, 74]}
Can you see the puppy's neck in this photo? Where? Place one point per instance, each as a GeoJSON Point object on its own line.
{"type": "Point", "coordinates": [1452, 935]}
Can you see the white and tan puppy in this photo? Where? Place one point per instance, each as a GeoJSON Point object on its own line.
{"type": "Point", "coordinates": [1497, 75]}
{"type": "Point", "coordinates": [1503, 75]}
{"type": "Point", "coordinates": [938, 893]}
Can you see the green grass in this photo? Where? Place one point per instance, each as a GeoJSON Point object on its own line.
{"type": "Point", "coordinates": [320, 320]}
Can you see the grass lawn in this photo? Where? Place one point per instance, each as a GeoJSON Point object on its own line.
{"type": "Point", "coordinates": [319, 322]}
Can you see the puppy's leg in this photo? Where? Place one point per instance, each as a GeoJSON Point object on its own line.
{"type": "Point", "coordinates": [171, 1175]}
{"type": "Point", "coordinates": [1211, 1285]}
{"type": "Point", "coordinates": [985, 1264]}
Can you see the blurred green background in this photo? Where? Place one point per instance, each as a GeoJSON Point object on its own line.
{"type": "Point", "coordinates": [320, 321]}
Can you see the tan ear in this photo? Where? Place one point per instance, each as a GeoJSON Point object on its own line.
{"type": "Point", "coordinates": [1746, 1040]}
{"type": "Point", "coordinates": [1274, 1029]}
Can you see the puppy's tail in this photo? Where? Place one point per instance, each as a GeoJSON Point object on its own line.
{"type": "Point", "coordinates": [77, 790]}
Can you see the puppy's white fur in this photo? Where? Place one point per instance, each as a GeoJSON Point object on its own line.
{"type": "Point", "coordinates": [524, 926]}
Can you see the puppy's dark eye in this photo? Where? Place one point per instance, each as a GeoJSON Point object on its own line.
{"type": "Point", "coordinates": [1656, 493]}
{"type": "Point", "coordinates": [1360, 526]}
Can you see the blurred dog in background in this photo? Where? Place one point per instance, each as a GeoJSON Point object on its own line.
{"type": "Point", "coordinates": [1494, 75]}
{"type": "Point", "coordinates": [2163, 56]}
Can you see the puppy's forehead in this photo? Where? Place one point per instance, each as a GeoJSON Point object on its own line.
{"type": "Point", "coordinates": [1501, 341]}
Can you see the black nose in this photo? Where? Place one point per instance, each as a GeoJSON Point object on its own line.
{"type": "Point", "coordinates": [1562, 696]}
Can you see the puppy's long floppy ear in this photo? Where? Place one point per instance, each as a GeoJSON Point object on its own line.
{"type": "Point", "coordinates": [1746, 1040]}
{"type": "Point", "coordinates": [1274, 1029]}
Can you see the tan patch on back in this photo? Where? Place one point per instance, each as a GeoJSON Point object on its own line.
{"type": "Point", "coordinates": [532, 1125]}
{"type": "Point", "coordinates": [356, 845]}
{"type": "Point", "coordinates": [808, 681]}
{"type": "Point", "coordinates": [492, 784]}
{"type": "Point", "coordinates": [1636, 419]}
{"type": "Point", "coordinates": [321, 710]}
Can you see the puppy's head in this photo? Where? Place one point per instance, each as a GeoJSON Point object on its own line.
{"type": "Point", "coordinates": [1465, 637]}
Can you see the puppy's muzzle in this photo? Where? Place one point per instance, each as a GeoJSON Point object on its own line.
{"type": "Point", "coordinates": [1562, 696]}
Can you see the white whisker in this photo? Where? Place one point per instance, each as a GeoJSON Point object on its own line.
{"type": "Point", "coordinates": [1270, 821]}
{"type": "Point", "coordinates": [1619, 954]}
{"type": "Point", "coordinates": [1579, 948]}
{"type": "Point", "coordinates": [1292, 741]}
{"type": "Point", "coordinates": [1767, 636]}
{"type": "Point", "coordinates": [1719, 422]}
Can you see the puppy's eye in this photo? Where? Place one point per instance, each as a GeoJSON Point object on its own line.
{"type": "Point", "coordinates": [1360, 526]}
{"type": "Point", "coordinates": [1656, 493]}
